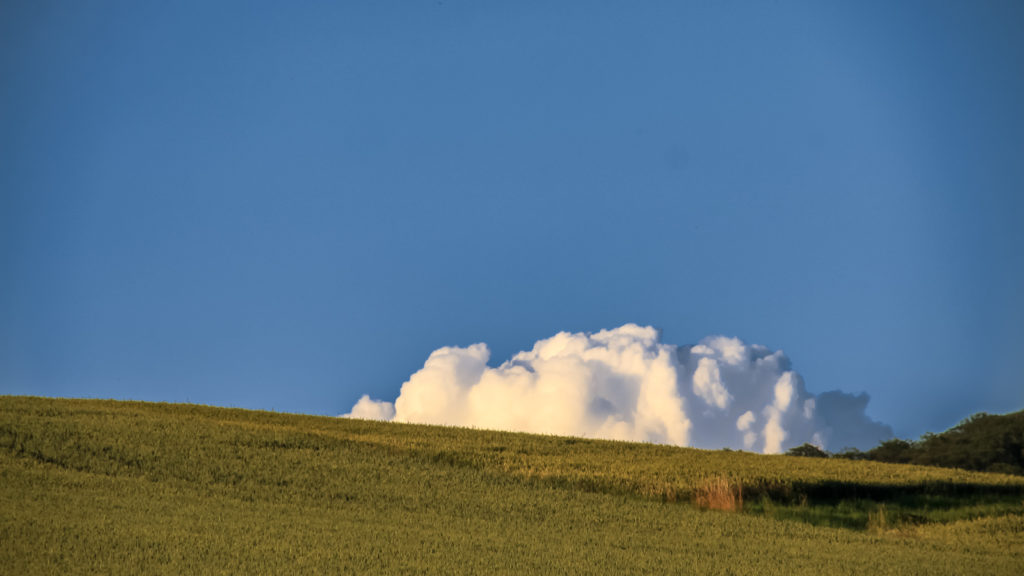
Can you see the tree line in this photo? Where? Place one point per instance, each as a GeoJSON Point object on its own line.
{"type": "Point", "coordinates": [982, 442]}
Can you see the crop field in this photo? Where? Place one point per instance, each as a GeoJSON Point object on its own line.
{"type": "Point", "coordinates": [104, 487]}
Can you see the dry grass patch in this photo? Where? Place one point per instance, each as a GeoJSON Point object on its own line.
{"type": "Point", "coordinates": [719, 493]}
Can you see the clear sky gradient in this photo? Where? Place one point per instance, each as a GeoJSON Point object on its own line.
{"type": "Point", "coordinates": [285, 206]}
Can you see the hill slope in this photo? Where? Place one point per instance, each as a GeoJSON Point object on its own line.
{"type": "Point", "coordinates": [121, 487]}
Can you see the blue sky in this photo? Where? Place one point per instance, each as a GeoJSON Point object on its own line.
{"type": "Point", "coordinates": [285, 207]}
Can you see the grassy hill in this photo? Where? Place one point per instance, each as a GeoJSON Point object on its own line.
{"type": "Point", "coordinates": [103, 487]}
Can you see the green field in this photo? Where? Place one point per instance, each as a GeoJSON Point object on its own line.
{"type": "Point", "coordinates": [103, 487]}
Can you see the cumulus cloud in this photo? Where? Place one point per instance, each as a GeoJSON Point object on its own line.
{"type": "Point", "coordinates": [625, 384]}
{"type": "Point", "coordinates": [367, 409]}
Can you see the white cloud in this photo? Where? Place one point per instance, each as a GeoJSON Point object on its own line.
{"type": "Point", "coordinates": [784, 391]}
{"type": "Point", "coordinates": [626, 384]}
{"type": "Point", "coordinates": [707, 384]}
{"type": "Point", "coordinates": [774, 433]}
{"type": "Point", "coordinates": [367, 409]}
{"type": "Point", "coordinates": [744, 422]}
{"type": "Point", "coordinates": [732, 350]}
{"type": "Point", "coordinates": [809, 405]}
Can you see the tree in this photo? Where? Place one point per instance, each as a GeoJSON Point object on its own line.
{"type": "Point", "coordinates": [896, 450]}
{"type": "Point", "coordinates": [807, 450]}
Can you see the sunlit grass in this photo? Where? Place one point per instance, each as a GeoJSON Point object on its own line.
{"type": "Point", "coordinates": [105, 487]}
